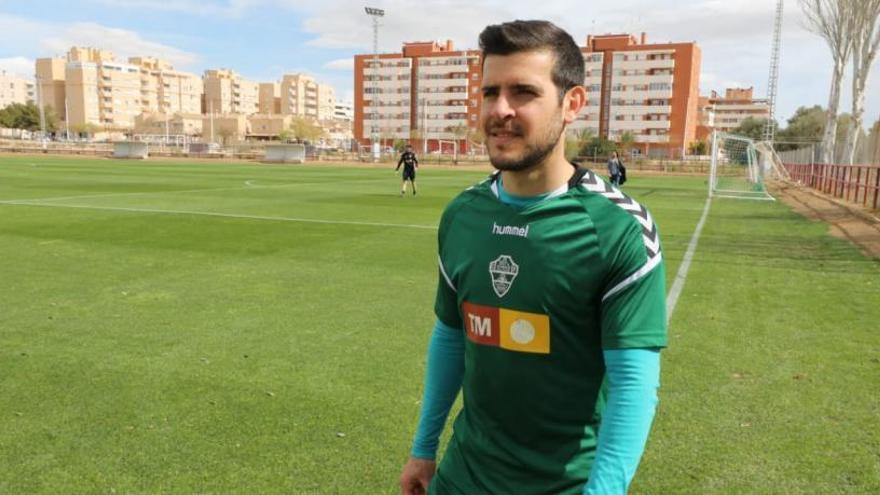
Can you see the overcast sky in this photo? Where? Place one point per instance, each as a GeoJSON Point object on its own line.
{"type": "Point", "coordinates": [263, 39]}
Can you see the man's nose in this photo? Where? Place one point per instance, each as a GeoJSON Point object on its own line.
{"type": "Point", "coordinates": [500, 108]}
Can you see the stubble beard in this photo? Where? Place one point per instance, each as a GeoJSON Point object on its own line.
{"type": "Point", "coordinates": [533, 154]}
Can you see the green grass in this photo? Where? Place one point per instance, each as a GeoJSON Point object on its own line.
{"type": "Point", "coordinates": [145, 348]}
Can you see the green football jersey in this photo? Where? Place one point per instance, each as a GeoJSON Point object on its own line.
{"type": "Point", "coordinates": [540, 292]}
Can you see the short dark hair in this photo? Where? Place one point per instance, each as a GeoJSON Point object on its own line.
{"type": "Point", "coordinates": [523, 36]}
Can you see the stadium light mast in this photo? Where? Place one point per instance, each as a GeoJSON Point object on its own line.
{"type": "Point", "coordinates": [374, 14]}
{"type": "Point", "coordinates": [769, 130]}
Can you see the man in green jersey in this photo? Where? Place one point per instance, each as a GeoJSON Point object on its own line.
{"type": "Point", "coordinates": [550, 301]}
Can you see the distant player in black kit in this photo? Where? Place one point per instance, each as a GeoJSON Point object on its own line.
{"type": "Point", "coordinates": [410, 164]}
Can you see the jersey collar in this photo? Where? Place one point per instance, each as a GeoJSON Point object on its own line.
{"type": "Point", "coordinates": [575, 179]}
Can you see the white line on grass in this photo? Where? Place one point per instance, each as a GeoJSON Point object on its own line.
{"type": "Point", "coordinates": [678, 284]}
{"type": "Point", "coordinates": [248, 185]}
{"type": "Point", "coordinates": [224, 215]}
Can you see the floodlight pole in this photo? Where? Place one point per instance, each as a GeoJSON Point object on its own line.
{"type": "Point", "coordinates": [374, 14]}
{"type": "Point", "coordinates": [769, 130]}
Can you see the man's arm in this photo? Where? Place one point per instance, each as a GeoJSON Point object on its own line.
{"type": "Point", "coordinates": [442, 382]}
{"type": "Point", "coordinates": [633, 378]}
{"type": "Point", "coordinates": [443, 377]}
{"type": "Point", "coordinates": [398, 163]}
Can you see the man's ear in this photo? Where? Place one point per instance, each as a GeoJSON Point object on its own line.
{"type": "Point", "coordinates": [574, 100]}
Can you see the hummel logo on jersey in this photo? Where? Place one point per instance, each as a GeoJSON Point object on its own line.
{"type": "Point", "coordinates": [507, 328]}
{"type": "Point", "coordinates": [503, 271]}
{"type": "Point", "coordinates": [510, 230]}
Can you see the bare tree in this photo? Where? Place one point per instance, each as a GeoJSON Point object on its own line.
{"type": "Point", "coordinates": [832, 20]}
{"type": "Point", "coordinates": [865, 41]}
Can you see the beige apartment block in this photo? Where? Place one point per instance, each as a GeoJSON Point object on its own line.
{"type": "Point", "coordinates": [268, 126]}
{"type": "Point", "coordinates": [178, 124]}
{"type": "Point", "coordinates": [735, 106]}
{"type": "Point", "coordinates": [303, 96]}
{"type": "Point", "coordinates": [101, 91]}
{"type": "Point", "coordinates": [225, 129]}
{"type": "Point", "coordinates": [270, 98]}
{"type": "Point", "coordinates": [226, 92]}
{"type": "Point", "coordinates": [51, 81]}
{"type": "Point", "coordinates": [14, 89]}
{"type": "Point", "coordinates": [110, 94]}
{"type": "Point", "coordinates": [164, 89]}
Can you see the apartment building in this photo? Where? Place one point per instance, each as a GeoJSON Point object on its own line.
{"type": "Point", "coordinates": [101, 91]}
{"type": "Point", "coordinates": [343, 110]}
{"type": "Point", "coordinates": [431, 90]}
{"type": "Point", "coordinates": [649, 90]}
{"type": "Point", "coordinates": [429, 94]}
{"type": "Point", "coordinates": [164, 89]}
{"type": "Point", "coordinates": [303, 96]}
{"type": "Point", "coordinates": [51, 80]}
{"type": "Point", "coordinates": [176, 124]}
{"type": "Point", "coordinates": [226, 92]}
{"type": "Point", "coordinates": [726, 113]}
{"type": "Point", "coordinates": [96, 89]}
{"type": "Point", "coordinates": [14, 89]}
{"type": "Point", "coordinates": [268, 126]}
{"type": "Point", "coordinates": [270, 99]}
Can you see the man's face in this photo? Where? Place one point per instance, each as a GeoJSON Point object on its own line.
{"type": "Point", "coordinates": [521, 114]}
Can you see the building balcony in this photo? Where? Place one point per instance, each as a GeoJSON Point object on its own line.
{"type": "Point", "coordinates": [650, 138]}
{"type": "Point", "coordinates": [640, 110]}
{"type": "Point", "coordinates": [644, 64]}
{"type": "Point", "coordinates": [637, 125]}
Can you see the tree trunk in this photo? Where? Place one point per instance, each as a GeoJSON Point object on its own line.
{"type": "Point", "coordinates": [860, 76]}
{"type": "Point", "coordinates": [830, 134]}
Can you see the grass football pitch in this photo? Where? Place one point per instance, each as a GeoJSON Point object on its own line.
{"type": "Point", "coordinates": [239, 328]}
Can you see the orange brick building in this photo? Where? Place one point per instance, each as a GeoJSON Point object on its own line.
{"type": "Point", "coordinates": [430, 94]}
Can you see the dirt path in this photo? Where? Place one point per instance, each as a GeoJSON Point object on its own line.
{"type": "Point", "coordinates": [850, 222]}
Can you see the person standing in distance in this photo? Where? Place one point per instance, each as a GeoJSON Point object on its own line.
{"type": "Point", "coordinates": [550, 306]}
{"type": "Point", "coordinates": [614, 168]}
{"type": "Point", "coordinates": [410, 164]}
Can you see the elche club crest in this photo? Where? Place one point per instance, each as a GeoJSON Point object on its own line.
{"type": "Point", "coordinates": [503, 271]}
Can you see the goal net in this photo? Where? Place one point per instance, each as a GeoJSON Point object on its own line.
{"type": "Point", "coordinates": [738, 168]}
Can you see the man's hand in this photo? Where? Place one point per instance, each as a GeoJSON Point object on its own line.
{"type": "Point", "coordinates": [416, 475]}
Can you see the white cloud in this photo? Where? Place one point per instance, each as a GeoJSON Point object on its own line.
{"type": "Point", "coordinates": [340, 64]}
{"type": "Point", "coordinates": [231, 9]}
{"type": "Point", "coordinates": [121, 42]}
{"type": "Point", "coordinates": [22, 37]}
{"type": "Point", "coordinates": [19, 66]}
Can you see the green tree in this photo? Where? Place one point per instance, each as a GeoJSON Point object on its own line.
{"type": "Point", "coordinates": [699, 148]}
{"type": "Point", "coordinates": [805, 126]}
{"type": "Point", "coordinates": [576, 142]}
{"type": "Point", "coordinates": [627, 141]}
{"type": "Point", "coordinates": [400, 144]}
{"type": "Point", "coordinates": [598, 148]}
{"type": "Point", "coordinates": [306, 130]}
{"type": "Point", "coordinates": [752, 128]}
{"type": "Point", "coordinates": [27, 116]}
{"type": "Point", "coordinates": [86, 129]}
{"type": "Point", "coordinates": [285, 135]}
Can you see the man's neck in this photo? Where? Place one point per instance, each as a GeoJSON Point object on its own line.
{"type": "Point", "coordinates": [547, 176]}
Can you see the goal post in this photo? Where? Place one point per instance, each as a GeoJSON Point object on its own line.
{"type": "Point", "coordinates": [738, 168]}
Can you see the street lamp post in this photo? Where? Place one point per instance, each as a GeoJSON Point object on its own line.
{"type": "Point", "coordinates": [374, 14]}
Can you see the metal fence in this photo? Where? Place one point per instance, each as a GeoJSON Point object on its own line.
{"type": "Point", "coordinates": [855, 183]}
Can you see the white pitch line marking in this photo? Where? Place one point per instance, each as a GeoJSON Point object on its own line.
{"type": "Point", "coordinates": [678, 284]}
{"type": "Point", "coordinates": [187, 191]}
{"type": "Point", "coordinates": [225, 215]}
